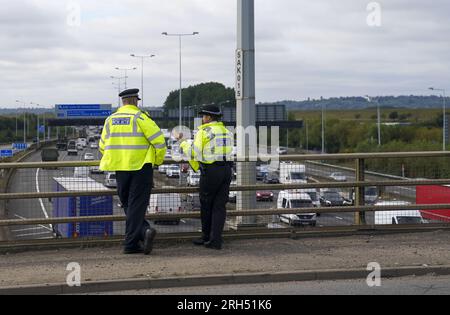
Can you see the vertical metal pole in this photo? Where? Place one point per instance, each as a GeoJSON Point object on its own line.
{"type": "Point", "coordinates": [379, 123]}
{"type": "Point", "coordinates": [37, 128]}
{"type": "Point", "coordinates": [180, 98]}
{"type": "Point", "coordinates": [44, 126]}
{"type": "Point", "coordinates": [360, 217]}
{"type": "Point", "coordinates": [307, 137]}
{"type": "Point", "coordinates": [323, 129]}
{"type": "Point", "coordinates": [246, 108]}
{"type": "Point", "coordinates": [25, 127]}
{"type": "Point", "coordinates": [444, 146]}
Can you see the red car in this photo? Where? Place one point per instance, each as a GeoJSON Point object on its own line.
{"type": "Point", "coordinates": [264, 196]}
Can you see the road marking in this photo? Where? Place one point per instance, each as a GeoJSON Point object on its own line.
{"type": "Point", "coordinates": [339, 218]}
{"type": "Point", "coordinates": [32, 234]}
{"type": "Point", "coordinates": [29, 229]}
{"type": "Point", "coordinates": [42, 226]}
{"type": "Point", "coordinates": [39, 191]}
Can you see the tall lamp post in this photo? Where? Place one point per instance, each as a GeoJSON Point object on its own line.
{"type": "Point", "coordinates": [24, 121]}
{"type": "Point", "coordinates": [119, 86]}
{"type": "Point", "coordinates": [37, 123]}
{"type": "Point", "coordinates": [180, 97]}
{"type": "Point", "coordinates": [142, 73]}
{"type": "Point", "coordinates": [444, 118]}
{"type": "Point", "coordinates": [126, 71]}
{"type": "Point", "coordinates": [370, 100]}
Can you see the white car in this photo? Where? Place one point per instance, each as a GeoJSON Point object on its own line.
{"type": "Point", "coordinates": [339, 177]}
{"type": "Point", "coordinates": [193, 179]}
{"type": "Point", "coordinates": [81, 172]}
{"type": "Point", "coordinates": [89, 157]}
{"type": "Point", "coordinates": [110, 180]}
{"type": "Point", "coordinates": [173, 171]}
{"type": "Point", "coordinates": [80, 146]}
{"type": "Point", "coordinates": [163, 169]}
{"type": "Point", "coordinates": [282, 151]}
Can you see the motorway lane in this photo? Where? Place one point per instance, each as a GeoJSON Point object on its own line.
{"type": "Point", "coordinates": [24, 180]}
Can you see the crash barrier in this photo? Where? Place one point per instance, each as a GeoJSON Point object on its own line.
{"type": "Point", "coordinates": [302, 194]}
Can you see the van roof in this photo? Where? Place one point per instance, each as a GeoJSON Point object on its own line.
{"type": "Point", "coordinates": [294, 195]}
{"type": "Point", "coordinates": [79, 184]}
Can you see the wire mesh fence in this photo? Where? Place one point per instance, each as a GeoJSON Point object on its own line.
{"type": "Point", "coordinates": [300, 192]}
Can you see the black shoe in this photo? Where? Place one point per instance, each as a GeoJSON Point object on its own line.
{"type": "Point", "coordinates": [214, 245]}
{"type": "Point", "coordinates": [148, 241]}
{"type": "Point", "coordinates": [199, 242]}
{"type": "Point", "coordinates": [133, 251]}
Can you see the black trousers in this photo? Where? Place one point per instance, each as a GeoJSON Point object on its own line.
{"type": "Point", "coordinates": [134, 190]}
{"type": "Point", "coordinates": [215, 183]}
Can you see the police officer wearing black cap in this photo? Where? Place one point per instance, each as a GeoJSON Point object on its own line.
{"type": "Point", "coordinates": [211, 152]}
{"type": "Point", "coordinates": [132, 144]}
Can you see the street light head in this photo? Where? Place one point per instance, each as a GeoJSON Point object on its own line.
{"type": "Point", "coordinates": [196, 33]}
{"type": "Point", "coordinates": [133, 55]}
{"type": "Point", "coordinates": [165, 33]}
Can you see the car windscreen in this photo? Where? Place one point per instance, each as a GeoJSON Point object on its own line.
{"type": "Point", "coordinates": [298, 203]}
{"type": "Point", "coordinates": [112, 176]}
{"type": "Point", "coordinates": [313, 195]}
{"type": "Point", "coordinates": [332, 196]}
{"type": "Point", "coordinates": [298, 176]}
{"type": "Point", "coordinates": [371, 191]}
{"type": "Point", "coordinates": [409, 220]}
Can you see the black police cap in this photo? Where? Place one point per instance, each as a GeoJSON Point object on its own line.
{"type": "Point", "coordinates": [130, 93]}
{"type": "Point", "coordinates": [211, 110]}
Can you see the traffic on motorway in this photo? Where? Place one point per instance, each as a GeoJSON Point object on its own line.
{"type": "Point", "coordinates": [92, 178]}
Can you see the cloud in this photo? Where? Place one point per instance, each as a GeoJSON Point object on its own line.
{"type": "Point", "coordinates": [303, 48]}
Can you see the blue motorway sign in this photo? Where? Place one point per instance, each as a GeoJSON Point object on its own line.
{"type": "Point", "coordinates": [20, 146]}
{"type": "Point", "coordinates": [80, 111]}
{"type": "Point", "coordinates": [6, 153]}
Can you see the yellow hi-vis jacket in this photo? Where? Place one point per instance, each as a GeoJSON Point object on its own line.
{"type": "Point", "coordinates": [131, 139]}
{"type": "Point", "coordinates": [213, 142]}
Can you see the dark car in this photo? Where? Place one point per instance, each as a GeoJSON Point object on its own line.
{"type": "Point", "coordinates": [333, 199]}
{"type": "Point", "coordinates": [271, 178]}
{"type": "Point", "coordinates": [50, 155]}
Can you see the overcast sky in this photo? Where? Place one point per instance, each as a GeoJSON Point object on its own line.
{"type": "Point", "coordinates": [303, 48]}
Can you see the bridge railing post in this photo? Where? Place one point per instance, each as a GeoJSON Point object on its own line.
{"type": "Point", "coordinates": [360, 217]}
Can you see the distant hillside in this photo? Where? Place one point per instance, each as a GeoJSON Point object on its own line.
{"type": "Point", "coordinates": [352, 103]}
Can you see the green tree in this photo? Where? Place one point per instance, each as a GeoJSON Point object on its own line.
{"type": "Point", "coordinates": [204, 93]}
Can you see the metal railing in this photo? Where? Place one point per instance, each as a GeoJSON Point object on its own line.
{"type": "Point", "coordinates": [269, 215]}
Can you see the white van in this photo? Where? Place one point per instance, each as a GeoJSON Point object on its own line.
{"type": "Point", "coordinates": [398, 217]}
{"type": "Point", "coordinates": [296, 200]}
{"type": "Point", "coordinates": [293, 173]}
{"type": "Point", "coordinates": [165, 203]}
